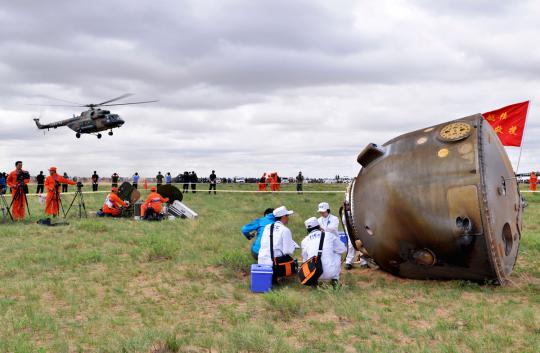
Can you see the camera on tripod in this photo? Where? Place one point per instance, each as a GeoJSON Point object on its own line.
{"type": "Point", "coordinates": [22, 176]}
{"type": "Point", "coordinates": [78, 197]}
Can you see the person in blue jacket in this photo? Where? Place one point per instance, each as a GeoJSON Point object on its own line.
{"type": "Point", "coordinates": [2, 183]}
{"type": "Point", "coordinates": [255, 229]}
{"type": "Point", "coordinates": [136, 180]}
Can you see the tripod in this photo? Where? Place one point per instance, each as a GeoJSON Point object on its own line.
{"type": "Point", "coordinates": [82, 207]}
{"type": "Point", "coordinates": [5, 208]}
{"type": "Point", "coordinates": [19, 192]}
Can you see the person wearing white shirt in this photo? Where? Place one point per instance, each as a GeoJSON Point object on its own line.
{"type": "Point", "coordinates": [282, 238]}
{"type": "Point", "coordinates": [330, 223]}
{"type": "Point", "coordinates": [332, 249]}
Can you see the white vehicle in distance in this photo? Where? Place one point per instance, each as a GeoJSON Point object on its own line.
{"type": "Point", "coordinates": [240, 180]}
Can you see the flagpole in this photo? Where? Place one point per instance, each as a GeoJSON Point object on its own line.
{"type": "Point", "coordinates": [523, 138]}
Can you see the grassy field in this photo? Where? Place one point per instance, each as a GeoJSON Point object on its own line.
{"type": "Point", "coordinates": [104, 285]}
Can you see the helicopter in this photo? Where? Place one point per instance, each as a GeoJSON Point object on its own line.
{"type": "Point", "coordinates": [92, 121]}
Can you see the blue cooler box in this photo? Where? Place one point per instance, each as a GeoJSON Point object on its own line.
{"type": "Point", "coordinates": [343, 237]}
{"type": "Point", "coordinates": [261, 278]}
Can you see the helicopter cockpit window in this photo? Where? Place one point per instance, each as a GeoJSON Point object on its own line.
{"type": "Point", "coordinates": [112, 117]}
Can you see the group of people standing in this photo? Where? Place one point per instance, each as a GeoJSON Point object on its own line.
{"type": "Point", "coordinates": [160, 177]}
{"type": "Point", "coordinates": [18, 180]}
{"type": "Point", "coordinates": [189, 179]}
{"type": "Point", "coordinates": [95, 178]}
{"type": "Point", "coordinates": [272, 228]}
{"type": "Point", "coordinates": [270, 180]}
{"type": "Point", "coordinates": [115, 179]}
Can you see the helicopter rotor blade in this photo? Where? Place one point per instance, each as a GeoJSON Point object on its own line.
{"type": "Point", "coordinates": [91, 105]}
{"type": "Point", "coordinates": [112, 100]}
{"type": "Point", "coordinates": [62, 100]}
{"type": "Point", "coordinates": [129, 103]}
{"type": "Point", "coordinates": [57, 105]}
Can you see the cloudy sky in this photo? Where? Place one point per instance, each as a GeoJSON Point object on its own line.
{"type": "Point", "coordinates": [251, 86]}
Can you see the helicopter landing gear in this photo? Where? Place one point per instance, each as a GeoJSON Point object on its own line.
{"type": "Point", "coordinates": [78, 135]}
{"type": "Point", "coordinates": [110, 133]}
{"type": "Point", "coordinates": [98, 136]}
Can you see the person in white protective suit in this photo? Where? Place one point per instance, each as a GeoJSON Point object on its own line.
{"type": "Point", "coordinates": [330, 223]}
{"type": "Point", "coordinates": [332, 249]}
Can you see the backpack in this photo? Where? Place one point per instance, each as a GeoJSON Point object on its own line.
{"type": "Point", "coordinates": [312, 269]}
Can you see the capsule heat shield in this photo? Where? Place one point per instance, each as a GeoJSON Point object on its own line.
{"type": "Point", "coordinates": [439, 203]}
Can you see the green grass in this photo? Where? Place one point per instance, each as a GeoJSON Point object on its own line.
{"type": "Point", "coordinates": [104, 285]}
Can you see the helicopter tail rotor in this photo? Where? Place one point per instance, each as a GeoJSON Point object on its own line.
{"type": "Point", "coordinates": [37, 122]}
{"type": "Point", "coordinates": [39, 125]}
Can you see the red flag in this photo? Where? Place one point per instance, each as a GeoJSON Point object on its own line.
{"type": "Point", "coordinates": [509, 123]}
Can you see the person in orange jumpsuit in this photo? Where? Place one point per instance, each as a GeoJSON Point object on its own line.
{"type": "Point", "coordinates": [17, 181]}
{"type": "Point", "coordinates": [273, 181]}
{"type": "Point", "coordinates": [113, 204]}
{"type": "Point", "coordinates": [533, 180]}
{"type": "Point", "coordinates": [278, 182]}
{"type": "Point", "coordinates": [52, 184]}
{"type": "Point", "coordinates": [262, 183]}
{"type": "Point", "coordinates": [154, 201]}
{"type": "Point", "coordinates": [269, 181]}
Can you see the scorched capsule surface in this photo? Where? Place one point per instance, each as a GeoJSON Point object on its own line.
{"type": "Point", "coordinates": [438, 203]}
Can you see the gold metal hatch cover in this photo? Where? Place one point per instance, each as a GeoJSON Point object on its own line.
{"type": "Point", "coordinates": [455, 132]}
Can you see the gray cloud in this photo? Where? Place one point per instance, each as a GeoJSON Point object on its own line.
{"type": "Point", "coordinates": [247, 87]}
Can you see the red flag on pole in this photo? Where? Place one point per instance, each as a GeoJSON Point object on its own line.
{"type": "Point", "coordinates": [509, 122]}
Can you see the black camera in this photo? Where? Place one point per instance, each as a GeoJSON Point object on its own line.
{"type": "Point", "coordinates": [79, 185]}
{"type": "Point", "coordinates": [22, 175]}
